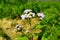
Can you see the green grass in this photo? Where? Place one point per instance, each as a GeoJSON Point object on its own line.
{"type": "Point", "coordinates": [50, 25]}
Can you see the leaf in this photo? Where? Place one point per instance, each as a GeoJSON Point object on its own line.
{"type": "Point", "coordinates": [21, 38]}
{"type": "Point", "coordinates": [38, 26]}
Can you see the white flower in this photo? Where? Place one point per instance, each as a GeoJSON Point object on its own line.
{"type": "Point", "coordinates": [27, 10]}
{"type": "Point", "coordinates": [23, 17]}
{"type": "Point", "coordinates": [27, 31]}
{"type": "Point", "coordinates": [41, 18]}
{"type": "Point", "coordinates": [19, 28]}
{"type": "Point", "coordinates": [41, 15]}
{"type": "Point", "coordinates": [33, 14]}
{"type": "Point", "coordinates": [16, 26]}
{"type": "Point", "coordinates": [30, 10]}
{"type": "Point", "coordinates": [26, 15]}
{"type": "Point", "coordinates": [29, 15]}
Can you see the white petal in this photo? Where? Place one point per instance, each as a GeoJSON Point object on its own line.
{"type": "Point", "coordinates": [33, 14]}
{"type": "Point", "coordinates": [19, 28]}
{"type": "Point", "coordinates": [23, 17]}
{"type": "Point", "coordinates": [30, 16]}
{"type": "Point", "coordinates": [39, 14]}
{"type": "Point", "coordinates": [41, 18]}
{"type": "Point", "coordinates": [16, 26]}
{"type": "Point", "coordinates": [42, 15]}
{"type": "Point", "coordinates": [27, 10]}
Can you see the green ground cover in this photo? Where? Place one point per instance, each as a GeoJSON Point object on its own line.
{"type": "Point", "coordinates": [50, 25]}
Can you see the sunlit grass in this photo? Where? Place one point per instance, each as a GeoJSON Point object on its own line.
{"type": "Point", "coordinates": [8, 26]}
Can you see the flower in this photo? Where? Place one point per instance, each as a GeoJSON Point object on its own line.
{"type": "Point", "coordinates": [41, 18]}
{"type": "Point", "coordinates": [41, 15]}
{"type": "Point", "coordinates": [17, 26]}
{"type": "Point", "coordinates": [29, 15]}
{"type": "Point", "coordinates": [27, 10]}
{"type": "Point", "coordinates": [23, 17]}
{"type": "Point", "coordinates": [33, 14]}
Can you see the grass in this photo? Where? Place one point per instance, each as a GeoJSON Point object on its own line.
{"type": "Point", "coordinates": [49, 27]}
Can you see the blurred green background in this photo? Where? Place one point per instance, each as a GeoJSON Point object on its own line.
{"type": "Point", "coordinates": [50, 25]}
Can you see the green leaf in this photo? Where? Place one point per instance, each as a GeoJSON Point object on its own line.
{"type": "Point", "coordinates": [38, 26]}
{"type": "Point", "coordinates": [21, 38]}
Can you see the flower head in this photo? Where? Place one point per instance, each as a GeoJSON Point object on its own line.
{"type": "Point", "coordinates": [33, 14]}
{"type": "Point", "coordinates": [41, 15]}
{"type": "Point", "coordinates": [17, 26]}
{"type": "Point", "coordinates": [27, 10]}
{"type": "Point", "coordinates": [23, 17]}
{"type": "Point", "coordinates": [41, 18]}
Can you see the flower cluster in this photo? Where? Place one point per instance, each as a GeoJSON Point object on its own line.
{"type": "Point", "coordinates": [29, 14]}
{"type": "Point", "coordinates": [18, 27]}
{"type": "Point", "coordinates": [40, 15]}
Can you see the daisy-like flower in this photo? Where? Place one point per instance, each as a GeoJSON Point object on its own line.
{"type": "Point", "coordinates": [27, 10]}
{"type": "Point", "coordinates": [23, 17]}
{"type": "Point", "coordinates": [41, 15]}
{"type": "Point", "coordinates": [26, 15]}
{"type": "Point", "coordinates": [29, 15]}
{"type": "Point", "coordinates": [41, 18]}
{"type": "Point", "coordinates": [33, 14]}
{"type": "Point", "coordinates": [27, 31]}
{"type": "Point", "coordinates": [17, 26]}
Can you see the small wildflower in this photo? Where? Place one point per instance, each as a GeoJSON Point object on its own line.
{"type": "Point", "coordinates": [17, 26]}
{"type": "Point", "coordinates": [26, 15]}
{"type": "Point", "coordinates": [30, 10]}
{"type": "Point", "coordinates": [23, 17]}
{"type": "Point", "coordinates": [41, 18]}
{"type": "Point", "coordinates": [41, 15]}
{"type": "Point", "coordinates": [33, 14]}
{"type": "Point", "coordinates": [27, 10]}
{"type": "Point", "coordinates": [30, 16]}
